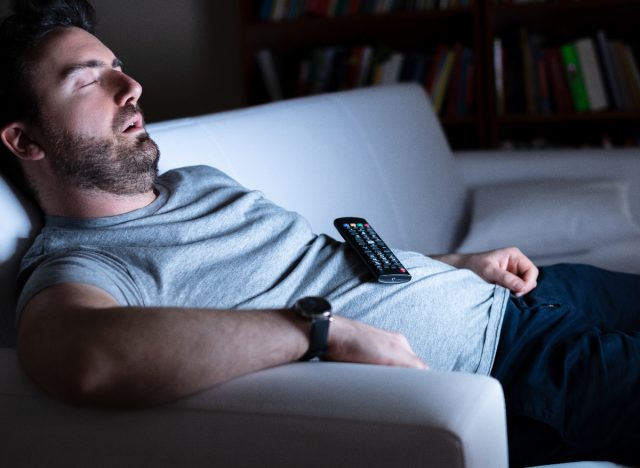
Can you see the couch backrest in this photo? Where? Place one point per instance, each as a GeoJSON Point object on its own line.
{"type": "Point", "coordinates": [377, 153]}
{"type": "Point", "coordinates": [19, 220]}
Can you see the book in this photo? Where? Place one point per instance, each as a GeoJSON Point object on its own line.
{"type": "Point", "coordinates": [269, 73]}
{"type": "Point", "coordinates": [612, 79]}
{"type": "Point", "coordinates": [630, 73]}
{"type": "Point", "coordinates": [391, 68]}
{"type": "Point", "coordinates": [561, 95]}
{"type": "Point", "coordinates": [634, 74]}
{"type": "Point", "coordinates": [528, 71]}
{"type": "Point", "coordinates": [543, 94]}
{"type": "Point", "coordinates": [437, 62]}
{"type": "Point", "coordinates": [618, 59]}
{"type": "Point", "coordinates": [591, 74]}
{"type": "Point", "coordinates": [279, 10]}
{"type": "Point", "coordinates": [573, 73]}
{"type": "Point", "coordinates": [498, 75]}
{"type": "Point", "coordinates": [442, 80]}
{"type": "Point", "coordinates": [363, 67]}
{"type": "Point", "coordinates": [455, 96]}
{"type": "Point", "coordinates": [466, 83]}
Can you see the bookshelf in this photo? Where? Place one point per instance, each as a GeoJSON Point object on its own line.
{"type": "Point", "coordinates": [535, 31]}
{"type": "Point", "coordinates": [449, 46]}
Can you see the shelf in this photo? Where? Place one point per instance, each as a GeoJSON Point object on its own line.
{"type": "Point", "coordinates": [292, 42]}
{"type": "Point", "coordinates": [394, 28]}
{"type": "Point", "coordinates": [568, 17]}
{"type": "Point", "coordinates": [569, 118]}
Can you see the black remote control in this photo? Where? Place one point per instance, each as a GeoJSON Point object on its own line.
{"type": "Point", "coordinates": [372, 250]}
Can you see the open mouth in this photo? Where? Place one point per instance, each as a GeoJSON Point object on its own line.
{"type": "Point", "coordinates": [133, 124]}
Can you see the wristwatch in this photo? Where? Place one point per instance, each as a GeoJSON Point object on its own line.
{"type": "Point", "coordinates": [316, 310]}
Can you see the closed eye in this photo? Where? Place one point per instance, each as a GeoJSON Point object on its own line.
{"type": "Point", "coordinates": [90, 83]}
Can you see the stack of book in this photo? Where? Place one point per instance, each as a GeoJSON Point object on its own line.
{"type": "Point", "coordinates": [276, 10]}
{"type": "Point", "coordinates": [588, 74]}
{"type": "Point", "coordinates": [448, 74]}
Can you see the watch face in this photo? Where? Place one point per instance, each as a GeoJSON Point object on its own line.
{"type": "Point", "coordinates": [314, 305]}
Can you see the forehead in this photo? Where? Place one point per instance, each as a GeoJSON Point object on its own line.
{"type": "Point", "coordinates": [63, 48]}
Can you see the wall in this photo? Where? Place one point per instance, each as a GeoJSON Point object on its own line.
{"type": "Point", "coordinates": [185, 53]}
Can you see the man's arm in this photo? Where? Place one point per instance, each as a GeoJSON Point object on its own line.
{"type": "Point", "coordinates": [77, 343]}
{"type": "Point", "coordinates": [508, 267]}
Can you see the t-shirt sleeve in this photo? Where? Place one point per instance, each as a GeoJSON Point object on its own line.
{"type": "Point", "coordinates": [87, 267]}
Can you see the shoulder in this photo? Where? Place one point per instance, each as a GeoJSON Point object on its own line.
{"type": "Point", "coordinates": [189, 175]}
{"type": "Point", "coordinates": [87, 266]}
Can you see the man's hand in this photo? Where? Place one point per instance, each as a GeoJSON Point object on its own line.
{"type": "Point", "coordinates": [351, 341]}
{"type": "Point", "coordinates": [507, 267]}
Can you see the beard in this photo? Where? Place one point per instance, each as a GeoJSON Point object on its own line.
{"type": "Point", "coordinates": [118, 165]}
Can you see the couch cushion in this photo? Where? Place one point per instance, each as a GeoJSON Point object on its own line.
{"type": "Point", "coordinates": [550, 218]}
{"type": "Point", "coordinates": [19, 222]}
{"type": "Point", "coordinates": [378, 153]}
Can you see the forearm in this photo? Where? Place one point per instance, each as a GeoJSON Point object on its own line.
{"type": "Point", "coordinates": [187, 350]}
{"type": "Point", "coordinates": [78, 344]}
{"type": "Point", "coordinates": [452, 259]}
{"type": "Point", "coordinates": [138, 356]}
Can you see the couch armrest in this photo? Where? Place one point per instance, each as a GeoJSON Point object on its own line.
{"type": "Point", "coordinates": [325, 414]}
{"type": "Point", "coordinates": [493, 167]}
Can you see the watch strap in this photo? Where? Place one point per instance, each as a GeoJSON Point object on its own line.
{"type": "Point", "coordinates": [318, 338]}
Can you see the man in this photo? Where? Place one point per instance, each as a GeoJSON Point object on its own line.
{"type": "Point", "coordinates": [143, 289]}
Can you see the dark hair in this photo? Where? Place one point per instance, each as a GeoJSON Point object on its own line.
{"type": "Point", "coordinates": [20, 34]}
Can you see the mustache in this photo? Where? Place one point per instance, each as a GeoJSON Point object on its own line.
{"type": "Point", "coordinates": [121, 118]}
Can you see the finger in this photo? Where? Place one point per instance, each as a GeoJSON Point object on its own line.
{"type": "Point", "coordinates": [511, 281]}
{"type": "Point", "coordinates": [528, 272]}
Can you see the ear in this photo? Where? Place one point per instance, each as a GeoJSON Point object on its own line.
{"type": "Point", "coordinates": [16, 137]}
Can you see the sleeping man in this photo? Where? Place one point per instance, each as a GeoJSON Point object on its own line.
{"type": "Point", "coordinates": [126, 296]}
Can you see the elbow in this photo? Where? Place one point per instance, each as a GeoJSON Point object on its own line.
{"type": "Point", "coordinates": [80, 375]}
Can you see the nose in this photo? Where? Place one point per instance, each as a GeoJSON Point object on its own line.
{"type": "Point", "coordinates": [128, 90]}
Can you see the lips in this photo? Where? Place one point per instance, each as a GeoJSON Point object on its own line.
{"type": "Point", "coordinates": [133, 123]}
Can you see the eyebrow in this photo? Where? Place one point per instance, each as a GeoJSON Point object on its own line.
{"type": "Point", "coordinates": [77, 67]}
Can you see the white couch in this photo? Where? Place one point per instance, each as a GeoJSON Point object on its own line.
{"type": "Point", "coordinates": [377, 153]}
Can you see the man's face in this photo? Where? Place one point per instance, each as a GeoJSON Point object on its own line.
{"type": "Point", "coordinates": [90, 125]}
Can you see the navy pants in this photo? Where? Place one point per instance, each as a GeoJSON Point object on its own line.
{"type": "Point", "coordinates": [569, 362]}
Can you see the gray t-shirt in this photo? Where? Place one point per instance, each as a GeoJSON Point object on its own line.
{"type": "Point", "coordinates": [208, 242]}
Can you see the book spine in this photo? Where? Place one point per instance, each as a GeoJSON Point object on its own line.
{"type": "Point", "coordinates": [542, 80]}
{"type": "Point", "coordinates": [456, 88]}
{"type": "Point", "coordinates": [627, 71]}
{"type": "Point", "coordinates": [391, 68]}
{"type": "Point", "coordinates": [442, 81]}
{"type": "Point", "coordinates": [634, 75]}
{"type": "Point", "coordinates": [439, 58]}
{"type": "Point", "coordinates": [470, 84]}
{"type": "Point", "coordinates": [269, 74]}
{"type": "Point", "coordinates": [528, 71]}
{"type": "Point", "coordinates": [574, 77]}
{"type": "Point", "coordinates": [612, 80]}
{"type": "Point", "coordinates": [619, 69]}
{"type": "Point", "coordinates": [591, 74]}
{"type": "Point", "coordinates": [498, 75]}
{"type": "Point", "coordinates": [558, 81]}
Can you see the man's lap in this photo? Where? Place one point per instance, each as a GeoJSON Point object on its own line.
{"type": "Point", "coordinates": [569, 362]}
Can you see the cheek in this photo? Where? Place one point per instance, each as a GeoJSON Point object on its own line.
{"type": "Point", "coordinates": [83, 117]}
